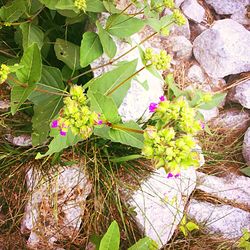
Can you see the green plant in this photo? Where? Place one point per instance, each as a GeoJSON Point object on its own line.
{"type": "Point", "coordinates": [244, 241]}
{"type": "Point", "coordinates": [187, 226]}
{"type": "Point", "coordinates": [111, 240]}
{"type": "Point", "coordinates": [68, 104]}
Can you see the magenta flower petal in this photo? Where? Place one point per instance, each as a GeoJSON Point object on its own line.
{"type": "Point", "coordinates": [100, 122]}
{"type": "Point", "coordinates": [152, 107]}
{"type": "Point", "coordinates": [54, 124]}
{"type": "Point", "coordinates": [202, 125]}
{"type": "Point", "coordinates": [162, 98]}
{"type": "Point", "coordinates": [177, 175]}
{"type": "Point", "coordinates": [170, 175]}
{"type": "Point", "coordinates": [62, 133]}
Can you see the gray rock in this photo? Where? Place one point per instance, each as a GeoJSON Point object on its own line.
{"type": "Point", "coordinates": [209, 114]}
{"type": "Point", "coordinates": [181, 47]}
{"type": "Point", "coordinates": [4, 105]}
{"type": "Point", "coordinates": [220, 219]}
{"type": "Point", "coordinates": [231, 120]}
{"type": "Point", "coordinates": [241, 17]}
{"type": "Point", "coordinates": [227, 7]}
{"type": "Point", "coordinates": [246, 147]}
{"type": "Point", "coordinates": [55, 206]}
{"type": "Point", "coordinates": [160, 202]}
{"type": "Point", "coordinates": [231, 187]}
{"type": "Point", "coordinates": [223, 49]}
{"type": "Point", "coordinates": [178, 3]}
{"type": "Point", "coordinates": [241, 94]}
{"type": "Point", "coordinates": [195, 74]}
{"type": "Point", "coordinates": [24, 140]}
{"type": "Point", "coordinates": [193, 10]}
{"type": "Point", "coordinates": [183, 30]}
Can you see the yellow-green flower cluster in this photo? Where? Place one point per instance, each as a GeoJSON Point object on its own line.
{"type": "Point", "coordinates": [76, 115]}
{"type": "Point", "coordinates": [4, 72]}
{"type": "Point", "coordinates": [178, 17]}
{"type": "Point", "coordinates": [81, 5]}
{"type": "Point", "coordinates": [161, 61]}
{"type": "Point", "coordinates": [169, 4]}
{"type": "Point", "coordinates": [170, 143]}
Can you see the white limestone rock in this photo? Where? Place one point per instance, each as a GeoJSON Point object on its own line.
{"type": "Point", "coordinates": [223, 49]}
{"type": "Point", "coordinates": [246, 147]}
{"type": "Point", "coordinates": [231, 120]}
{"type": "Point", "coordinates": [193, 10]}
{"type": "Point", "coordinates": [241, 17]}
{"type": "Point", "coordinates": [181, 47]}
{"type": "Point", "coordinates": [178, 3]}
{"type": "Point", "coordinates": [196, 75]}
{"type": "Point", "coordinates": [241, 94]}
{"type": "Point", "coordinates": [24, 140]}
{"type": "Point", "coordinates": [231, 187]}
{"type": "Point", "coordinates": [227, 7]}
{"type": "Point", "coordinates": [220, 219]}
{"type": "Point", "coordinates": [55, 206]}
{"type": "Point", "coordinates": [160, 202]}
{"type": "Point", "coordinates": [209, 114]}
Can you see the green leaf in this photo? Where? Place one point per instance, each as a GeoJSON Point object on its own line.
{"type": "Point", "coordinates": [31, 61]}
{"type": "Point", "coordinates": [110, 7]}
{"type": "Point", "coordinates": [12, 11]}
{"type": "Point", "coordinates": [144, 244]}
{"type": "Point", "coordinates": [184, 230]}
{"type": "Point", "coordinates": [31, 34]}
{"type": "Point", "coordinates": [95, 6]}
{"type": "Point", "coordinates": [91, 48]}
{"type": "Point", "coordinates": [111, 239]}
{"type": "Point", "coordinates": [19, 95]}
{"type": "Point", "coordinates": [191, 226]}
{"type": "Point", "coordinates": [102, 132]}
{"type": "Point", "coordinates": [123, 26]}
{"type": "Point", "coordinates": [59, 142]}
{"type": "Point", "coordinates": [107, 42]}
{"type": "Point", "coordinates": [104, 105]}
{"type": "Point", "coordinates": [126, 134]}
{"type": "Point", "coordinates": [50, 4]}
{"type": "Point", "coordinates": [216, 100]}
{"type": "Point", "coordinates": [126, 158]}
{"type": "Point", "coordinates": [66, 5]}
{"type": "Point", "coordinates": [68, 53]}
{"type": "Point", "coordinates": [111, 79]}
{"type": "Point", "coordinates": [46, 104]}
{"type": "Point", "coordinates": [245, 171]}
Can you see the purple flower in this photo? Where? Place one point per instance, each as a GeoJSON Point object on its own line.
{"type": "Point", "coordinates": [177, 175]}
{"type": "Point", "coordinates": [202, 125]}
{"type": "Point", "coordinates": [162, 98]}
{"type": "Point", "coordinates": [152, 107]}
{"type": "Point", "coordinates": [54, 124]}
{"type": "Point", "coordinates": [100, 122]}
{"type": "Point", "coordinates": [62, 133]}
{"type": "Point", "coordinates": [170, 175]}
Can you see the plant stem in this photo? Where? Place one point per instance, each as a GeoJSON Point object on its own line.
{"type": "Point", "coordinates": [127, 79]}
{"type": "Point", "coordinates": [127, 129]}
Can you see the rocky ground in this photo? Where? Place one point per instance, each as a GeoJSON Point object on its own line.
{"type": "Point", "coordinates": [210, 52]}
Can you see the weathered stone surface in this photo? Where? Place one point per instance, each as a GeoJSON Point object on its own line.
{"type": "Point", "coordinates": [160, 202]}
{"type": "Point", "coordinates": [181, 47]}
{"type": "Point", "coordinates": [231, 120]}
{"type": "Point", "coordinates": [231, 187]}
{"type": "Point", "coordinates": [246, 147]}
{"type": "Point", "coordinates": [223, 49]}
{"type": "Point", "coordinates": [193, 10]}
{"type": "Point", "coordinates": [227, 7]}
{"type": "Point", "coordinates": [241, 17]}
{"type": "Point", "coordinates": [55, 206]}
{"type": "Point", "coordinates": [24, 140]}
{"type": "Point", "coordinates": [196, 75]}
{"type": "Point", "coordinates": [220, 219]}
{"type": "Point", "coordinates": [241, 94]}
{"type": "Point", "coordinates": [209, 114]}
{"type": "Point", "coordinates": [4, 105]}
{"type": "Point", "coordinates": [178, 3]}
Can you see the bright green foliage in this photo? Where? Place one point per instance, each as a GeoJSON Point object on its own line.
{"type": "Point", "coordinates": [91, 48]}
{"type": "Point", "coordinates": [171, 143]}
{"type": "Point", "coordinates": [68, 53]}
{"type": "Point", "coordinates": [111, 239]}
{"type": "Point", "coordinates": [161, 61]}
{"type": "Point", "coordinates": [81, 5]}
{"type": "Point", "coordinates": [76, 115]}
{"type": "Point", "coordinates": [244, 241]}
{"type": "Point", "coordinates": [178, 17]}
{"type": "Point", "coordinates": [123, 26]}
{"type": "Point", "coordinates": [169, 4]}
{"type": "Point", "coordinates": [189, 226]}
{"type": "Point", "coordinates": [145, 244]}
{"type": "Point", "coordinates": [12, 11]}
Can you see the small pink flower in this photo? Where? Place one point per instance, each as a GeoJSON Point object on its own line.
{"type": "Point", "coordinates": [62, 133]}
{"type": "Point", "coordinates": [170, 175]}
{"type": "Point", "coordinates": [202, 125]}
{"type": "Point", "coordinates": [177, 175]}
{"type": "Point", "coordinates": [54, 124]}
{"type": "Point", "coordinates": [162, 98]}
{"type": "Point", "coordinates": [152, 107]}
{"type": "Point", "coordinates": [99, 122]}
